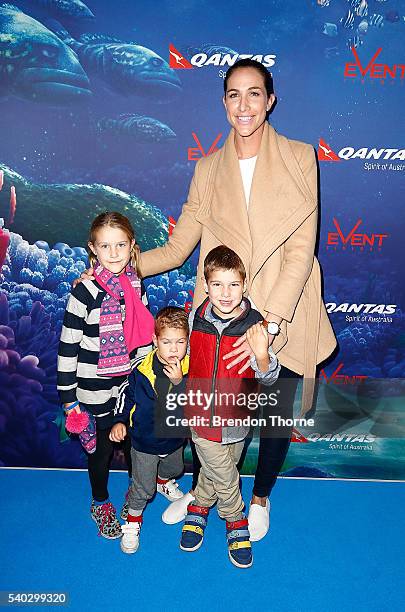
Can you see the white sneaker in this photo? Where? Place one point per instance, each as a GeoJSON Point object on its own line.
{"type": "Point", "coordinates": [170, 490]}
{"type": "Point", "coordinates": [176, 512]}
{"type": "Point", "coordinates": [130, 538]}
{"type": "Point", "coordinates": [259, 521]}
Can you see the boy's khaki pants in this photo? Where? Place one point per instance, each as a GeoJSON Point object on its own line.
{"type": "Point", "coordinates": [219, 477]}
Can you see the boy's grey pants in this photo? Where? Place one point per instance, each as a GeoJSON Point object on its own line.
{"type": "Point", "coordinates": [144, 472]}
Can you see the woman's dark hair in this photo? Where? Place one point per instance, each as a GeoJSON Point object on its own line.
{"type": "Point", "coordinates": [250, 63]}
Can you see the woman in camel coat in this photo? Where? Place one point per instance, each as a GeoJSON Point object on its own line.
{"type": "Point", "coordinates": [273, 229]}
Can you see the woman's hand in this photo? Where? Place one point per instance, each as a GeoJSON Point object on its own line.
{"type": "Point", "coordinates": [86, 275]}
{"type": "Point", "coordinates": [243, 352]}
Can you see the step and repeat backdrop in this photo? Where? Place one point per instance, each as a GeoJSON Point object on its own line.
{"type": "Point", "coordinates": [108, 105]}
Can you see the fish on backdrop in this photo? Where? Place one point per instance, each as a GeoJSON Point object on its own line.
{"type": "Point", "coordinates": [71, 11]}
{"type": "Point", "coordinates": [35, 64]}
{"type": "Point", "coordinates": [362, 28]}
{"type": "Point", "coordinates": [126, 68]}
{"type": "Point", "coordinates": [330, 29]}
{"type": "Point", "coordinates": [208, 49]}
{"type": "Point", "coordinates": [348, 20]}
{"type": "Point", "coordinates": [354, 41]}
{"type": "Point", "coordinates": [143, 129]}
{"type": "Point", "coordinates": [376, 20]}
{"type": "Point", "coordinates": [361, 9]}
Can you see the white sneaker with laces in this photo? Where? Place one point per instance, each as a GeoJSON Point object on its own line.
{"type": "Point", "coordinates": [170, 490]}
{"type": "Point", "coordinates": [177, 511]}
{"type": "Point", "coordinates": [259, 521]}
{"type": "Point", "coordinates": [130, 538]}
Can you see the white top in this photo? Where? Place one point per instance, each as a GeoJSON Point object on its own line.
{"type": "Point", "coordinates": [247, 168]}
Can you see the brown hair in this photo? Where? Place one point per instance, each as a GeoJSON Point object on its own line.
{"type": "Point", "coordinates": [171, 316]}
{"type": "Point", "coordinates": [114, 219]}
{"type": "Point", "coordinates": [251, 63]}
{"type": "Point", "coordinates": [223, 258]}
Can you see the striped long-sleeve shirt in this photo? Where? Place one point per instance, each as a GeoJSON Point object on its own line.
{"type": "Point", "coordinates": [78, 355]}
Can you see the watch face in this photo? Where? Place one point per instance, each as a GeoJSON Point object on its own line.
{"type": "Point", "coordinates": [273, 328]}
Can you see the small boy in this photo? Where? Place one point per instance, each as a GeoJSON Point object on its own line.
{"type": "Point", "coordinates": [215, 325]}
{"type": "Point", "coordinates": [144, 397]}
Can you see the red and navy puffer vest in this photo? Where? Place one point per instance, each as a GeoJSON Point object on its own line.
{"type": "Point", "coordinates": [208, 372]}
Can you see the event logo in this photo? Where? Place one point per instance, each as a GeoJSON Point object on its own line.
{"type": "Point", "coordinates": [353, 239]}
{"type": "Point", "coordinates": [341, 379]}
{"type": "Point", "coordinates": [325, 153]}
{"type": "Point", "coordinates": [194, 153]}
{"type": "Point", "coordinates": [373, 70]}
{"type": "Point", "coordinates": [198, 60]}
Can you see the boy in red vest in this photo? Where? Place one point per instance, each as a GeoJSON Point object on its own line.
{"type": "Point", "coordinates": [216, 431]}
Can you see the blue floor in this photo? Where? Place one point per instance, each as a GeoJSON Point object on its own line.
{"type": "Point", "coordinates": [332, 546]}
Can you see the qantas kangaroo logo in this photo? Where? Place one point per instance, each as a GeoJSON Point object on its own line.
{"type": "Point", "coordinates": [325, 152]}
{"type": "Point", "coordinates": [177, 60]}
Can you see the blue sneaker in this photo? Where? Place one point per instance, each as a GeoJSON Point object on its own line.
{"type": "Point", "coordinates": [239, 546]}
{"type": "Point", "coordinates": [195, 523]}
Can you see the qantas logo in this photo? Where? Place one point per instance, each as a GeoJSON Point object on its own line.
{"type": "Point", "coordinates": [172, 225]}
{"type": "Point", "coordinates": [177, 61]}
{"type": "Point", "coordinates": [373, 70]}
{"type": "Point", "coordinates": [354, 238]}
{"type": "Point", "coordinates": [298, 437]}
{"type": "Point", "coordinates": [382, 309]}
{"type": "Point", "coordinates": [195, 153]}
{"type": "Point", "coordinates": [326, 153]}
{"type": "Point", "coordinates": [337, 378]}
{"type": "Point", "coordinates": [341, 437]}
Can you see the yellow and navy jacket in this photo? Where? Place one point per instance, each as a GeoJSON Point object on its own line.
{"type": "Point", "coordinates": [138, 406]}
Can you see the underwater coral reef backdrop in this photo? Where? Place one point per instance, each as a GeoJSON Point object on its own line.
{"type": "Point", "coordinates": [108, 105]}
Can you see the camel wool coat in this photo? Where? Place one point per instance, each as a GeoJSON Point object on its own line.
{"type": "Point", "coordinates": [275, 238]}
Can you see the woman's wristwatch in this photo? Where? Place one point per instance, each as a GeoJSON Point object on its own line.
{"type": "Point", "coordinates": [272, 327]}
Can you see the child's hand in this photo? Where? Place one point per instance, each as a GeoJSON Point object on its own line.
{"type": "Point", "coordinates": [258, 340]}
{"type": "Point", "coordinates": [118, 432]}
{"type": "Point", "coordinates": [86, 275]}
{"type": "Point", "coordinates": [173, 372]}
{"type": "Point", "coordinates": [69, 410]}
